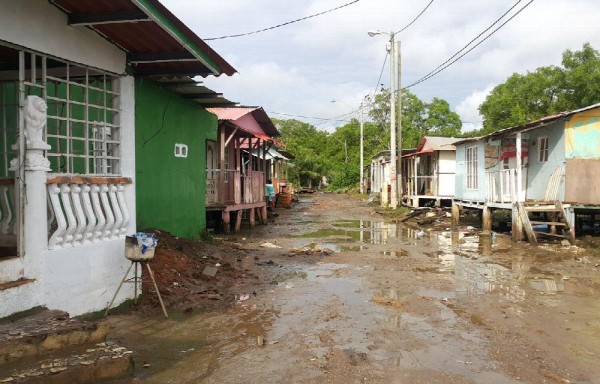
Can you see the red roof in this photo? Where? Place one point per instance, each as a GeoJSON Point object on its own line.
{"type": "Point", "coordinates": [253, 120]}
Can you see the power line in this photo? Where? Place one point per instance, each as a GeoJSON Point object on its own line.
{"type": "Point", "coordinates": [309, 117]}
{"type": "Point", "coordinates": [283, 24]}
{"type": "Point", "coordinates": [416, 18]}
{"type": "Point", "coordinates": [380, 75]}
{"type": "Point", "coordinates": [448, 62]}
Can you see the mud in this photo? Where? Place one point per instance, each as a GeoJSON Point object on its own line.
{"type": "Point", "coordinates": [389, 304]}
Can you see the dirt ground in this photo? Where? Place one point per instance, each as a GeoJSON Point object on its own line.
{"type": "Point", "coordinates": [329, 292]}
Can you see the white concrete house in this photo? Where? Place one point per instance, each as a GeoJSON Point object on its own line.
{"type": "Point", "coordinates": [67, 142]}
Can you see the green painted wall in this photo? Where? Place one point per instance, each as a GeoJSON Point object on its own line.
{"type": "Point", "coordinates": [170, 190]}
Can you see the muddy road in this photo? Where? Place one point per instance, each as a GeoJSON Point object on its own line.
{"type": "Point", "coordinates": [341, 296]}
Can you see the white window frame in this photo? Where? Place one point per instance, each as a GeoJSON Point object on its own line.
{"type": "Point", "coordinates": [472, 182]}
{"type": "Point", "coordinates": [181, 150]}
{"type": "Point", "coordinates": [543, 149]}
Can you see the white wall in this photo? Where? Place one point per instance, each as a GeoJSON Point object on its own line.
{"type": "Point", "coordinates": [446, 170]}
{"type": "Point", "coordinates": [83, 279]}
{"type": "Point", "coordinates": [40, 26]}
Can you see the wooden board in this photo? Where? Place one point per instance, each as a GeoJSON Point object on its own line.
{"type": "Point", "coordinates": [582, 184]}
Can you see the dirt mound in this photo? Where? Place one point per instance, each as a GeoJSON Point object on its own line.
{"type": "Point", "coordinates": [178, 266]}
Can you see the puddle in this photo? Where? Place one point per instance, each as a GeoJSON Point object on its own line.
{"type": "Point", "coordinates": [363, 231]}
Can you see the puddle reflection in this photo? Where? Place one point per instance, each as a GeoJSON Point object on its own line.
{"type": "Point", "coordinates": [363, 231]}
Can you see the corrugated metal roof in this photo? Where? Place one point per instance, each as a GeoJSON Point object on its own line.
{"type": "Point", "coordinates": [149, 37]}
{"type": "Point", "coordinates": [436, 143]}
{"type": "Point", "coordinates": [530, 125]}
{"type": "Point", "coordinates": [234, 114]}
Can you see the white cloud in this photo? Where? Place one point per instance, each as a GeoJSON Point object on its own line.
{"type": "Point", "coordinates": [301, 67]}
{"type": "Point", "coordinates": [468, 109]}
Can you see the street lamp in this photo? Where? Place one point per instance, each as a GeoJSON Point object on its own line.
{"type": "Point", "coordinates": [395, 160]}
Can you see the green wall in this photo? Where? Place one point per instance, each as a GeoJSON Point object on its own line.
{"type": "Point", "coordinates": [170, 190]}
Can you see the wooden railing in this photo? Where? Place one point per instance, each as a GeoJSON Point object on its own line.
{"type": "Point", "coordinates": [501, 186]}
{"type": "Point", "coordinates": [421, 185]}
{"type": "Point", "coordinates": [85, 210]}
{"type": "Point", "coordinates": [230, 187]}
{"type": "Point", "coordinates": [8, 213]}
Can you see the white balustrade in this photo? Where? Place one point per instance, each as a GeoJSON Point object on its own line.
{"type": "Point", "coordinates": [84, 213]}
{"type": "Point", "coordinates": [8, 215]}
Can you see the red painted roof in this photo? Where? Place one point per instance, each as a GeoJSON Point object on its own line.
{"type": "Point", "coordinates": [253, 120]}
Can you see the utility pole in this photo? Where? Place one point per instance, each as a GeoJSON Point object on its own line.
{"type": "Point", "coordinates": [399, 163]}
{"type": "Point", "coordinates": [362, 161]}
{"type": "Point", "coordinates": [393, 160]}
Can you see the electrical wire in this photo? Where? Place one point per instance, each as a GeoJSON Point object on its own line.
{"type": "Point", "coordinates": [416, 18]}
{"type": "Point", "coordinates": [450, 61]}
{"type": "Point", "coordinates": [380, 75]}
{"type": "Point", "coordinates": [283, 24]}
{"type": "Point", "coordinates": [307, 117]}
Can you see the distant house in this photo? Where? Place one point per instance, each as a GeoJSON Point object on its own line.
{"type": "Point", "coordinates": [545, 167]}
{"type": "Point", "coordinates": [236, 164]}
{"type": "Point", "coordinates": [379, 172]}
{"type": "Point", "coordinates": [70, 74]}
{"type": "Point", "coordinates": [428, 173]}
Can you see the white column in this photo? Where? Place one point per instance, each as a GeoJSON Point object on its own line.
{"type": "Point", "coordinates": [519, 172]}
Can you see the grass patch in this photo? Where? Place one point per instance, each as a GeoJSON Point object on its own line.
{"type": "Point", "coordinates": [390, 213]}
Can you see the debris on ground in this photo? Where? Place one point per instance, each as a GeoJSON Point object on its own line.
{"type": "Point", "coordinates": [269, 245]}
{"type": "Point", "coordinates": [386, 301]}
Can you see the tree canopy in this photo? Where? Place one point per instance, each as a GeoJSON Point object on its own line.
{"type": "Point", "coordinates": [545, 91]}
{"type": "Point", "coordinates": [336, 155]}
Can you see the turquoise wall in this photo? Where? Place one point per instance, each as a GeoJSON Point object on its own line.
{"type": "Point", "coordinates": [461, 172]}
{"type": "Point", "coordinates": [538, 173]}
{"type": "Point", "coordinates": [170, 190]}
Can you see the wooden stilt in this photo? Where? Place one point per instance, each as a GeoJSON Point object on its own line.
{"type": "Point", "coordinates": [264, 215]}
{"type": "Point", "coordinates": [455, 214]}
{"type": "Point", "coordinates": [238, 221]}
{"type": "Point", "coordinates": [486, 219]}
{"type": "Point", "coordinates": [226, 222]}
{"type": "Point", "coordinates": [517, 227]}
{"type": "Point", "coordinates": [252, 217]}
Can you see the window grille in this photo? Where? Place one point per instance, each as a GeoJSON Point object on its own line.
{"type": "Point", "coordinates": [83, 120]}
{"type": "Point", "coordinates": [543, 149]}
{"type": "Point", "coordinates": [471, 162]}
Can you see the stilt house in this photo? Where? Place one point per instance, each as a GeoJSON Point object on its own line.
{"type": "Point", "coordinates": [545, 172]}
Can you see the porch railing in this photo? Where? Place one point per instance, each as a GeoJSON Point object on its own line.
{"type": "Point", "coordinates": [85, 210]}
{"type": "Point", "coordinates": [231, 187]}
{"type": "Point", "coordinates": [502, 186]}
{"type": "Point", "coordinates": [421, 185]}
{"type": "Point", "coordinates": [8, 213]}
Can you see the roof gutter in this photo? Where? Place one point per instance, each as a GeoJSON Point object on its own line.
{"type": "Point", "coordinates": [149, 9]}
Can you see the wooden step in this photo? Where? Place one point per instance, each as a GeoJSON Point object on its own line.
{"type": "Point", "coordinates": [555, 223]}
{"type": "Point", "coordinates": [552, 234]}
{"type": "Point", "coordinates": [543, 209]}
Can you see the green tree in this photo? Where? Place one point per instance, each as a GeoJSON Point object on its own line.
{"type": "Point", "coordinates": [545, 91]}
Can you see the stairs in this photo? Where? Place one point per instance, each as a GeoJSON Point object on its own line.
{"type": "Point", "coordinates": [549, 214]}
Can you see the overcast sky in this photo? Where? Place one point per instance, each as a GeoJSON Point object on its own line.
{"type": "Point", "coordinates": [299, 68]}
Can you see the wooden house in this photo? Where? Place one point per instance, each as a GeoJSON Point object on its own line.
{"type": "Point", "coordinates": [428, 172]}
{"type": "Point", "coordinates": [544, 171]}
{"type": "Point", "coordinates": [236, 164]}
{"type": "Point", "coordinates": [68, 118]}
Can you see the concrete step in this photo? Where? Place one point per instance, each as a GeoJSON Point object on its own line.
{"type": "Point", "coordinates": [44, 332]}
{"type": "Point", "coordinates": [80, 365]}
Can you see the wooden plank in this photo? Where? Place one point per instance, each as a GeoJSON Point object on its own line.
{"type": "Point", "coordinates": [517, 226]}
{"type": "Point", "coordinates": [551, 234]}
{"type": "Point", "coordinates": [526, 224]}
{"type": "Point", "coordinates": [238, 221]}
{"type": "Point", "coordinates": [555, 223]}
{"type": "Point", "coordinates": [566, 231]}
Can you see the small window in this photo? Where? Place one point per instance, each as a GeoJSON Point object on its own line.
{"type": "Point", "coordinates": [543, 149]}
{"type": "Point", "coordinates": [181, 150]}
{"type": "Point", "coordinates": [471, 162]}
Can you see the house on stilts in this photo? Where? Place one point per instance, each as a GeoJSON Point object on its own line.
{"type": "Point", "coordinates": [237, 167]}
{"type": "Point", "coordinates": [428, 172]}
{"type": "Point", "coordinates": [544, 172]}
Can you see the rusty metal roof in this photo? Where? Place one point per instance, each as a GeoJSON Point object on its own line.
{"type": "Point", "coordinates": [542, 122]}
{"type": "Point", "coordinates": [157, 43]}
{"type": "Point", "coordinates": [234, 114]}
